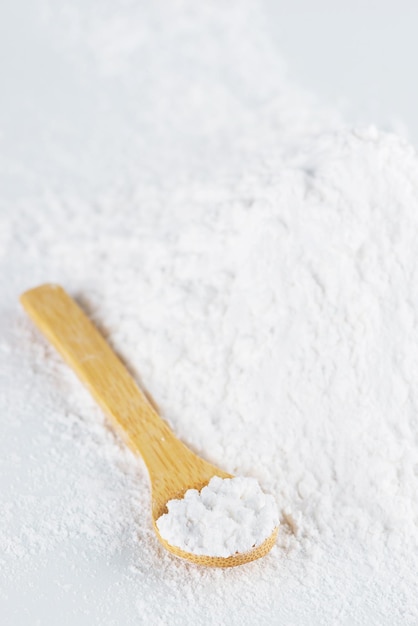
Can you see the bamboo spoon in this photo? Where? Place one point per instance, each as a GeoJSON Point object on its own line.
{"type": "Point", "coordinates": [173, 468]}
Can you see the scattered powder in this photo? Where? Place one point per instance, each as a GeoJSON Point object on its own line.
{"type": "Point", "coordinates": [227, 516]}
{"type": "Point", "coordinates": [254, 261]}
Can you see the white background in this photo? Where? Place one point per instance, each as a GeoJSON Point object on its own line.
{"type": "Point", "coordinates": [360, 55]}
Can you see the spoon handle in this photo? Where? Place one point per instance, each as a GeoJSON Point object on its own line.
{"type": "Point", "coordinates": [79, 342]}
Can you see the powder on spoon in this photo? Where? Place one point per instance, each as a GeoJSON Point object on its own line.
{"type": "Point", "coordinates": [227, 516]}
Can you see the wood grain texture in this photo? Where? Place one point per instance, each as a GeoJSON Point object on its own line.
{"type": "Point", "coordinates": [173, 467]}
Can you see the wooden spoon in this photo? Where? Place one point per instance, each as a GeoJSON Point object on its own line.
{"type": "Point", "coordinates": [173, 468]}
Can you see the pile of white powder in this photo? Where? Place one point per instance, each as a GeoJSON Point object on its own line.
{"type": "Point", "coordinates": [253, 259]}
{"type": "Point", "coordinates": [227, 516]}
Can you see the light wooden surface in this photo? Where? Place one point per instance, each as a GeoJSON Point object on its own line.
{"type": "Point", "coordinates": [173, 468]}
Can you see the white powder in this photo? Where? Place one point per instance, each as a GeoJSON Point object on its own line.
{"type": "Point", "coordinates": [254, 262]}
{"type": "Point", "coordinates": [227, 516]}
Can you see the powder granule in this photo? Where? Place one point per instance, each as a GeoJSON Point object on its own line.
{"type": "Point", "coordinates": [227, 516]}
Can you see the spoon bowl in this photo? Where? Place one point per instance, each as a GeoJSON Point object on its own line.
{"type": "Point", "coordinates": [173, 468]}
